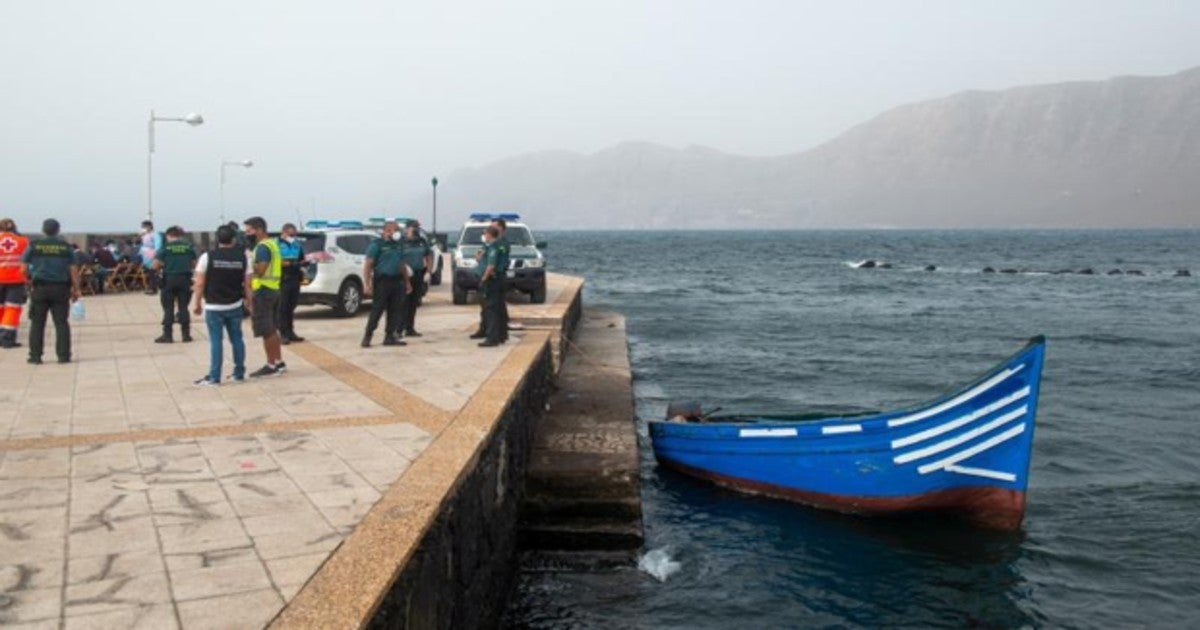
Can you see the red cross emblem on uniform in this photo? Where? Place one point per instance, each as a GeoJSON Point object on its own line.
{"type": "Point", "coordinates": [8, 244]}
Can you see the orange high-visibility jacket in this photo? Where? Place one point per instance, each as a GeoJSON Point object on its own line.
{"type": "Point", "coordinates": [12, 247]}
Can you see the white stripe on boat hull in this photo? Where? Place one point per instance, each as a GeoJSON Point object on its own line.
{"type": "Point", "coordinates": [841, 428]}
{"type": "Point", "coordinates": [756, 433]}
{"type": "Point", "coordinates": [990, 443]}
{"type": "Point", "coordinates": [966, 436]}
{"type": "Point", "coordinates": [982, 472]}
{"type": "Point", "coordinates": [958, 422]}
{"type": "Point", "coordinates": [957, 400]}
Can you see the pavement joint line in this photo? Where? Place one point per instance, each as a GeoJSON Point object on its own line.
{"type": "Point", "coordinates": [353, 581]}
{"type": "Point", "coordinates": [406, 406]}
{"type": "Point", "coordinates": [223, 430]}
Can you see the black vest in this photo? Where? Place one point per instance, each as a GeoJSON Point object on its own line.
{"type": "Point", "coordinates": [225, 277]}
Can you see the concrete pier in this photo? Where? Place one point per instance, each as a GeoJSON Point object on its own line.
{"type": "Point", "coordinates": [366, 486]}
{"type": "Point", "coordinates": [582, 493]}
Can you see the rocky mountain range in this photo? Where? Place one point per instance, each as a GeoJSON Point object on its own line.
{"type": "Point", "coordinates": [1118, 153]}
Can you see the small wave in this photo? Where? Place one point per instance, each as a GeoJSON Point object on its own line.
{"type": "Point", "coordinates": [658, 563]}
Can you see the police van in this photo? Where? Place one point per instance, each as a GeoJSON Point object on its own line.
{"type": "Point", "coordinates": [336, 251]}
{"type": "Point", "coordinates": [526, 267]}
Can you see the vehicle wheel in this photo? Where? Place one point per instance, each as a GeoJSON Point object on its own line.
{"type": "Point", "coordinates": [349, 298]}
{"type": "Point", "coordinates": [435, 278]}
{"type": "Point", "coordinates": [460, 295]}
{"type": "Point", "coordinates": [538, 296]}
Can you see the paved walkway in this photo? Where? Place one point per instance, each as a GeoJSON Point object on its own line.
{"type": "Point", "coordinates": [130, 498]}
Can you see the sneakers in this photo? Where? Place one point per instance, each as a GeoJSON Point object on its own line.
{"type": "Point", "coordinates": [236, 379]}
{"type": "Point", "coordinates": [205, 382]}
{"type": "Point", "coordinates": [392, 341]}
{"type": "Point", "coordinates": [281, 367]}
{"type": "Point", "coordinates": [265, 370]}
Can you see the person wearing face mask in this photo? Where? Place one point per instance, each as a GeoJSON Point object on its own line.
{"type": "Point", "coordinates": [289, 293]}
{"type": "Point", "coordinates": [491, 289]}
{"type": "Point", "coordinates": [418, 255]}
{"type": "Point", "coordinates": [387, 282]}
{"type": "Point", "coordinates": [265, 282]}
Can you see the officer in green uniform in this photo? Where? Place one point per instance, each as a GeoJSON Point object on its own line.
{"type": "Point", "coordinates": [418, 255]}
{"type": "Point", "coordinates": [176, 260]}
{"type": "Point", "coordinates": [490, 286]}
{"type": "Point", "coordinates": [503, 248]}
{"type": "Point", "coordinates": [387, 282]}
{"type": "Point", "coordinates": [50, 264]}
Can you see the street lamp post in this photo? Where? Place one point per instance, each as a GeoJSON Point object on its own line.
{"type": "Point", "coordinates": [191, 119]}
{"type": "Point", "coordinates": [224, 163]}
{"type": "Point", "coordinates": [434, 182]}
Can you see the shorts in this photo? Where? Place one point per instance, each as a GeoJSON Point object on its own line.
{"type": "Point", "coordinates": [264, 321]}
{"type": "Point", "coordinates": [14, 294]}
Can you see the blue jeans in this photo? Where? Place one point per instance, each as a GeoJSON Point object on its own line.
{"type": "Point", "coordinates": [220, 322]}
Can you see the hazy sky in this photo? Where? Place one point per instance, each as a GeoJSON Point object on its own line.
{"type": "Point", "coordinates": [354, 105]}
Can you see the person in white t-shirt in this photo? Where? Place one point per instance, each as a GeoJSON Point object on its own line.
{"type": "Point", "coordinates": [223, 295]}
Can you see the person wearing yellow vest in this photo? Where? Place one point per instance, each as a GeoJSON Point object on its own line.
{"type": "Point", "coordinates": [265, 282]}
{"type": "Point", "coordinates": [12, 282]}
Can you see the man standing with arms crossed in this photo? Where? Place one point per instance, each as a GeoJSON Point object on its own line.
{"type": "Point", "coordinates": [223, 285]}
{"type": "Point", "coordinates": [175, 260]}
{"type": "Point", "coordinates": [267, 276]}
{"type": "Point", "coordinates": [50, 262]}
{"type": "Point", "coordinates": [12, 282]}
{"type": "Point", "coordinates": [289, 295]}
{"type": "Point", "coordinates": [387, 282]}
{"type": "Point", "coordinates": [418, 255]}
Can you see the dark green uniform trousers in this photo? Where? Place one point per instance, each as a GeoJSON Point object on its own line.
{"type": "Point", "coordinates": [53, 299]}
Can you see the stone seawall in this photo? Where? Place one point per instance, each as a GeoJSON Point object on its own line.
{"type": "Point", "coordinates": [462, 571]}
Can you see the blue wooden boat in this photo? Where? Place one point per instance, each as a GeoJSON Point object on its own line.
{"type": "Point", "coordinates": [966, 453]}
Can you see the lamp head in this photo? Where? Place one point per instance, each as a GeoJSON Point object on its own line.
{"type": "Point", "coordinates": [193, 119]}
{"type": "Point", "coordinates": [247, 163]}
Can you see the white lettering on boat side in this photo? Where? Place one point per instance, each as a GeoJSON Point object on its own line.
{"type": "Point", "coordinates": [789, 432]}
{"type": "Point", "coordinates": [957, 400]}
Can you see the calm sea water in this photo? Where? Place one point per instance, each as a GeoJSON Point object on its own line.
{"type": "Point", "coordinates": [779, 322]}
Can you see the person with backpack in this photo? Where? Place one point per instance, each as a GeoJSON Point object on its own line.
{"type": "Point", "coordinates": [222, 295]}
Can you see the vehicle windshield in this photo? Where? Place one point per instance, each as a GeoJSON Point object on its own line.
{"type": "Point", "coordinates": [517, 235]}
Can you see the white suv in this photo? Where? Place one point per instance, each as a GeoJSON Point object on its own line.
{"type": "Point", "coordinates": [526, 265]}
{"type": "Point", "coordinates": [335, 252]}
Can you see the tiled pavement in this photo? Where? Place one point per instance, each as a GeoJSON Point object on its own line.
{"type": "Point", "coordinates": [130, 498]}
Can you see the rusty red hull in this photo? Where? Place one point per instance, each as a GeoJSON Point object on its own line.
{"type": "Point", "coordinates": [988, 507]}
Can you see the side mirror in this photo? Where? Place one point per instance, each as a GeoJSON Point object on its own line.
{"type": "Point", "coordinates": [540, 245]}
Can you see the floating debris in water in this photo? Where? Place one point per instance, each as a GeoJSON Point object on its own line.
{"type": "Point", "coordinates": [658, 563]}
{"type": "Point", "coordinates": [930, 267]}
{"type": "Point", "coordinates": [989, 270]}
{"type": "Point", "coordinates": [1182, 273]}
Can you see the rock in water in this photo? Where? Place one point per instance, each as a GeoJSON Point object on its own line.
{"type": "Point", "coordinates": [1182, 273]}
{"type": "Point", "coordinates": [988, 270]}
{"type": "Point", "coordinates": [866, 264]}
{"type": "Point", "coordinates": [930, 267]}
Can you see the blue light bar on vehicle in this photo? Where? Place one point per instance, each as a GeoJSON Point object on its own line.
{"type": "Point", "coordinates": [491, 216]}
{"type": "Point", "coordinates": [345, 224]}
{"type": "Point", "coordinates": [316, 224]}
